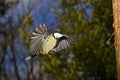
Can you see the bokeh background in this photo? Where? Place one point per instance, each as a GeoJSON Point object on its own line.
{"type": "Point", "coordinates": [91, 57]}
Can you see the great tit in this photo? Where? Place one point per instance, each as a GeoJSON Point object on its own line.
{"type": "Point", "coordinates": [43, 42]}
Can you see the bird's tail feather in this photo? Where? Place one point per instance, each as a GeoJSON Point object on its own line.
{"type": "Point", "coordinates": [30, 57]}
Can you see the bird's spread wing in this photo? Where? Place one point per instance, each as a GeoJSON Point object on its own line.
{"type": "Point", "coordinates": [62, 44]}
{"type": "Point", "coordinates": [37, 39]}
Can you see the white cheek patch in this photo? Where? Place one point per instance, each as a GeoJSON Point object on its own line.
{"type": "Point", "coordinates": [58, 35]}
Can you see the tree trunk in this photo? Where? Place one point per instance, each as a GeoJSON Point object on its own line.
{"type": "Point", "coordinates": [116, 25]}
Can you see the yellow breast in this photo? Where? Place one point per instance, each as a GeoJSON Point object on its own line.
{"type": "Point", "coordinates": [49, 44]}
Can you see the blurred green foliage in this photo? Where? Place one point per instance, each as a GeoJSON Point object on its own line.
{"type": "Point", "coordinates": [89, 58]}
{"type": "Point", "coordinates": [26, 23]}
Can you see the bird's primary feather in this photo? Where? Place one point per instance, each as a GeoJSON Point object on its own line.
{"type": "Point", "coordinates": [38, 37]}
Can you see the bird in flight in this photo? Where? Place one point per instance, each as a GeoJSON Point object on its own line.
{"type": "Point", "coordinates": [44, 42]}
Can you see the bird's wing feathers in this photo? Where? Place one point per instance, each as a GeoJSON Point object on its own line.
{"type": "Point", "coordinates": [41, 29]}
{"type": "Point", "coordinates": [37, 39]}
{"type": "Point", "coordinates": [63, 44]}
